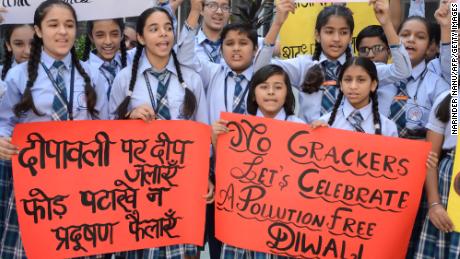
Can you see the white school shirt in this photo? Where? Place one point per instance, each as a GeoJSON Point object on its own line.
{"type": "Point", "coordinates": [203, 50]}
{"type": "Point", "coordinates": [296, 68]}
{"type": "Point", "coordinates": [43, 93]}
{"type": "Point", "coordinates": [219, 84]}
{"type": "Point", "coordinates": [423, 90]}
{"type": "Point", "coordinates": [175, 93]}
{"type": "Point", "coordinates": [2, 83]}
{"type": "Point", "coordinates": [96, 63]}
{"type": "Point", "coordinates": [388, 127]}
{"type": "Point", "coordinates": [434, 124]}
{"type": "Point", "coordinates": [281, 116]}
{"type": "Point", "coordinates": [441, 65]}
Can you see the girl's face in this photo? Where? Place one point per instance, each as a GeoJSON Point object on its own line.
{"type": "Point", "coordinates": [130, 38]}
{"type": "Point", "coordinates": [414, 36]}
{"type": "Point", "coordinates": [238, 50]}
{"type": "Point", "coordinates": [357, 85]}
{"type": "Point", "coordinates": [106, 36]}
{"type": "Point", "coordinates": [271, 95]}
{"type": "Point", "coordinates": [58, 30]}
{"type": "Point", "coordinates": [20, 43]}
{"type": "Point", "coordinates": [158, 37]}
{"type": "Point", "coordinates": [334, 37]}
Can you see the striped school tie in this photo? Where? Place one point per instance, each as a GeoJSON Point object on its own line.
{"type": "Point", "coordinates": [109, 71]}
{"type": "Point", "coordinates": [60, 109]}
{"type": "Point", "coordinates": [215, 50]}
{"type": "Point", "coordinates": [238, 95]}
{"type": "Point", "coordinates": [162, 110]}
{"type": "Point", "coordinates": [329, 92]}
{"type": "Point", "coordinates": [355, 118]}
{"type": "Point", "coordinates": [397, 108]}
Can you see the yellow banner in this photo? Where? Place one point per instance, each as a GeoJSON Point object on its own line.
{"type": "Point", "coordinates": [453, 205]}
{"type": "Point", "coordinates": [298, 33]}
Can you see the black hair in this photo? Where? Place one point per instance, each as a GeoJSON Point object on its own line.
{"type": "Point", "coordinates": [422, 20]}
{"type": "Point", "coordinates": [27, 102]}
{"type": "Point", "coordinates": [314, 77]}
{"type": "Point", "coordinates": [371, 70]}
{"type": "Point", "coordinates": [190, 102]}
{"type": "Point", "coordinates": [8, 57]}
{"type": "Point", "coordinates": [435, 30]}
{"type": "Point", "coordinates": [243, 28]}
{"type": "Point", "coordinates": [89, 45]}
{"type": "Point", "coordinates": [371, 31]}
{"type": "Point", "coordinates": [443, 109]}
{"type": "Point", "coordinates": [263, 75]}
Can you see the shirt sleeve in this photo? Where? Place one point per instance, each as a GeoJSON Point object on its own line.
{"type": "Point", "coordinates": [400, 69]}
{"type": "Point", "coordinates": [12, 96]}
{"type": "Point", "coordinates": [417, 8]}
{"type": "Point", "coordinates": [434, 124]}
{"type": "Point", "coordinates": [118, 93]}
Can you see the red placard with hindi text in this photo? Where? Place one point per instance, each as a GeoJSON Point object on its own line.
{"type": "Point", "coordinates": [95, 187]}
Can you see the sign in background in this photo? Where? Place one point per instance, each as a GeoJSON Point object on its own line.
{"type": "Point", "coordinates": [286, 189]}
{"type": "Point", "coordinates": [453, 205]}
{"type": "Point", "coordinates": [298, 33]}
{"type": "Point", "coordinates": [22, 11]}
{"type": "Point", "coordinates": [94, 187]}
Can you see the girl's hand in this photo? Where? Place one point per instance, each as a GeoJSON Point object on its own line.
{"type": "Point", "coordinates": [438, 216]}
{"type": "Point", "coordinates": [210, 195]}
{"type": "Point", "coordinates": [7, 150]}
{"type": "Point", "coordinates": [143, 112]}
{"type": "Point", "coordinates": [319, 124]}
{"type": "Point", "coordinates": [381, 10]}
{"type": "Point", "coordinates": [175, 4]}
{"type": "Point", "coordinates": [442, 14]}
{"type": "Point", "coordinates": [218, 127]}
{"type": "Point", "coordinates": [283, 8]}
{"type": "Point", "coordinates": [432, 161]}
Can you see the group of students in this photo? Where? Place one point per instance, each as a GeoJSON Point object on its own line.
{"type": "Point", "coordinates": [220, 67]}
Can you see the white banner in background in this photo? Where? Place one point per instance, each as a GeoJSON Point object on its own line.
{"type": "Point", "coordinates": [22, 11]}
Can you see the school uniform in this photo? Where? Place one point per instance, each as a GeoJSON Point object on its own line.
{"type": "Point", "coordinates": [345, 120]}
{"type": "Point", "coordinates": [412, 101]}
{"type": "Point", "coordinates": [434, 243]}
{"type": "Point", "coordinates": [232, 252]}
{"type": "Point", "coordinates": [2, 83]}
{"type": "Point", "coordinates": [146, 91]}
{"type": "Point", "coordinates": [175, 92]}
{"type": "Point", "coordinates": [107, 69]}
{"type": "Point", "coordinates": [314, 105]}
{"type": "Point", "coordinates": [441, 65]}
{"type": "Point", "coordinates": [209, 50]}
{"type": "Point", "coordinates": [45, 97]}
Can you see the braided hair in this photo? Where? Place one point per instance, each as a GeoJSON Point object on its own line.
{"type": "Point", "coordinates": [314, 77]}
{"type": "Point", "coordinates": [371, 70]}
{"type": "Point", "coordinates": [26, 103]}
{"type": "Point", "coordinates": [190, 103]}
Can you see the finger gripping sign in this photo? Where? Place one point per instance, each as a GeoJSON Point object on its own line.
{"type": "Point", "coordinates": [285, 189]}
{"type": "Point", "coordinates": [95, 187]}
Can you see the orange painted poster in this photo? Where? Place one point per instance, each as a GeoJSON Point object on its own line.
{"type": "Point", "coordinates": [94, 187]}
{"type": "Point", "coordinates": [286, 189]}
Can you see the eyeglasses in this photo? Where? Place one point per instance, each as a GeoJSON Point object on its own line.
{"type": "Point", "coordinates": [214, 6]}
{"type": "Point", "coordinates": [375, 49]}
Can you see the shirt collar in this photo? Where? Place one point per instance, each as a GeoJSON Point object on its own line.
{"type": "Point", "coordinates": [95, 60]}
{"type": "Point", "coordinates": [281, 115]}
{"type": "Point", "coordinates": [48, 60]}
{"type": "Point", "coordinates": [418, 70]}
{"type": "Point", "coordinates": [248, 73]}
{"type": "Point", "coordinates": [144, 64]}
{"type": "Point", "coordinates": [200, 37]}
{"type": "Point", "coordinates": [342, 59]}
{"type": "Point", "coordinates": [366, 111]}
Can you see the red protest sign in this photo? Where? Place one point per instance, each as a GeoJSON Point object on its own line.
{"type": "Point", "coordinates": [286, 189]}
{"type": "Point", "coordinates": [94, 187]}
